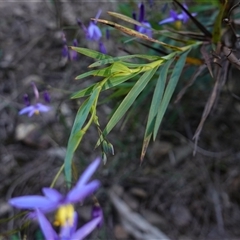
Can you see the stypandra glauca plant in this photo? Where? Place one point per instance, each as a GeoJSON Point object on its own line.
{"type": "Point", "coordinates": [160, 73]}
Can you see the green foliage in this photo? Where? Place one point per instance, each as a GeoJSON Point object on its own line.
{"type": "Point", "coordinates": [133, 77]}
{"type": "Point", "coordinates": [119, 71]}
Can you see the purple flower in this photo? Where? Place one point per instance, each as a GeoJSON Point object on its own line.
{"type": "Point", "coordinates": [73, 55]}
{"type": "Point", "coordinates": [177, 17]}
{"type": "Point", "coordinates": [34, 109]}
{"type": "Point", "coordinates": [65, 47]}
{"type": "Point", "coordinates": [69, 54]}
{"type": "Point", "coordinates": [55, 200]}
{"type": "Point", "coordinates": [102, 48]}
{"type": "Point", "coordinates": [93, 32]}
{"type": "Point", "coordinates": [37, 107]}
{"type": "Point", "coordinates": [146, 29]}
{"type": "Point", "coordinates": [97, 212]}
{"type": "Point", "coordinates": [68, 232]}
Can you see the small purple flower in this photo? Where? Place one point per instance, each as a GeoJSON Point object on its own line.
{"type": "Point", "coordinates": [55, 200]}
{"type": "Point", "coordinates": [26, 100]}
{"type": "Point", "coordinates": [97, 212]}
{"type": "Point", "coordinates": [46, 97]}
{"type": "Point", "coordinates": [34, 108]}
{"type": "Point", "coordinates": [146, 29]}
{"type": "Point", "coordinates": [68, 232]}
{"type": "Point", "coordinates": [174, 16]}
{"type": "Point", "coordinates": [73, 55]}
{"type": "Point", "coordinates": [102, 48]}
{"type": "Point", "coordinates": [93, 32]}
{"type": "Point", "coordinates": [65, 47]}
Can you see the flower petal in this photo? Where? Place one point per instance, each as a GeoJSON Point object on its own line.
{"type": "Point", "coordinates": [46, 227]}
{"type": "Point", "coordinates": [31, 113]}
{"type": "Point", "coordinates": [52, 194]}
{"type": "Point", "coordinates": [97, 212]}
{"type": "Point", "coordinates": [167, 20]}
{"type": "Point", "coordinates": [174, 15]}
{"type": "Point", "coordinates": [97, 34]}
{"type": "Point", "coordinates": [78, 194]}
{"type": "Point", "coordinates": [102, 48]}
{"type": "Point", "coordinates": [42, 108]}
{"type": "Point", "coordinates": [86, 229]}
{"type": "Point", "coordinates": [98, 14]}
{"type": "Point", "coordinates": [141, 12]}
{"type": "Point", "coordinates": [30, 202]}
{"type": "Point", "coordinates": [26, 110]}
{"type": "Point", "coordinates": [88, 172]}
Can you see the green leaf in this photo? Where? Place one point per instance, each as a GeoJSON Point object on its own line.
{"type": "Point", "coordinates": [128, 57]}
{"type": "Point", "coordinates": [110, 83]}
{"type": "Point", "coordinates": [156, 101]}
{"type": "Point", "coordinates": [100, 73]}
{"type": "Point", "coordinates": [115, 68]}
{"type": "Point", "coordinates": [129, 100]}
{"type": "Point", "coordinates": [76, 133]}
{"type": "Point", "coordinates": [91, 53]}
{"type": "Point", "coordinates": [169, 91]}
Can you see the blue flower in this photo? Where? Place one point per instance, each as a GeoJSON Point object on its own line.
{"type": "Point", "coordinates": [34, 109]}
{"type": "Point", "coordinates": [146, 29]}
{"type": "Point", "coordinates": [37, 107]}
{"type": "Point", "coordinates": [97, 212]}
{"type": "Point", "coordinates": [102, 48]}
{"type": "Point", "coordinates": [174, 16]}
{"type": "Point", "coordinates": [93, 32]}
{"type": "Point", "coordinates": [68, 232]}
{"type": "Point", "coordinates": [73, 55]}
{"type": "Point", "coordinates": [55, 200]}
{"type": "Point", "coordinates": [69, 54]}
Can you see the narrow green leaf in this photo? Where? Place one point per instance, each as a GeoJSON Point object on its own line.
{"type": "Point", "coordinates": [100, 73]}
{"type": "Point", "coordinates": [76, 133]}
{"type": "Point", "coordinates": [169, 91]}
{"type": "Point", "coordinates": [115, 68]}
{"type": "Point", "coordinates": [156, 101]}
{"type": "Point", "coordinates": [158, 93]}
{"type": "Point", "coordinates": [129, 100]}
{"type": "Point", "coordinates": [110, 83]}
{"type": "Point", "coordinates": [121, 58]}
{"type": "Point", "coordinates": [91, 53]}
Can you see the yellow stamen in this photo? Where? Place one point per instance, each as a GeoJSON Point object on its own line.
{"type": "Point", "coordinates": [64, 215]}
{"type": "Point", "coordinates": [36, 112]}
{"type": "Point", "coordinates": [178, 25]}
